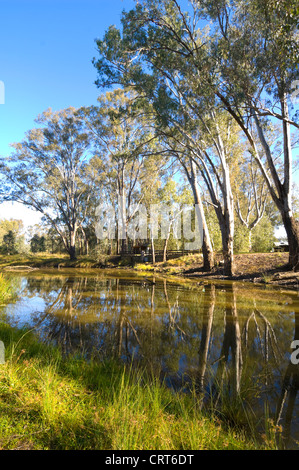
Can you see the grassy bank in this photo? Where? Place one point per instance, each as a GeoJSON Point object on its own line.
{"type": "Point", "coordinates": [246, 264]}
{"type": "Point", "coordinates": [50, 402]}
{"type": "Point", "coordinates": [43, 260]}
{"type": "Point", "coordinates": [5, 290]}
{"type": "Point", "coordinates": [261, 268]}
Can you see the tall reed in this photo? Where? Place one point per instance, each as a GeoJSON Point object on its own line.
{"type": "Point", "coordinates": [5, 289]}
{"type": "Point", "coordinates": [48, 401]}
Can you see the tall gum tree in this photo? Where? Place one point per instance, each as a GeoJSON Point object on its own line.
{"type": "Point", "coordinates": [126, 154]}
{"type": "Point", "coordinates": [247, 63]}
{"type": "Point", "coordinates": [46, 172]}
{"type": "Point", "coordinates": [191, 173]}
{"type": "Point", "coordinates": [208, 139]}
{"type": "Point", "coordinates": [257, 42]}
{"type": "Point", "coordinates": [167, 90]}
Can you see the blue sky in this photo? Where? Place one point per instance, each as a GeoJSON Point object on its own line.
{"type": "Point", "coordinates": [45, 57]}
{"type": "Point", "coordinates": [46, 52]}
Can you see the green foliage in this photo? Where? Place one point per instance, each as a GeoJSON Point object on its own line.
{"type": "Point", "coordinates": [187, 92]}
{"type": "Point", "coordinates": [11, 236]}
{"type": "Point", "coordinates": [71, 404]}
{"type": "Point", "coordinates": [188, 74]}
{"type": "Point", "coordinates": [47, 172]}
{"type": "Point", "coordinates": [5, 289]}
{"type": "Point", "coordinates": [263, 236]}
{"type": "Point", "coordinates": [16, 226]}
{"type": "Point", "coordinates": [38, 243]}
{"type": "Point", "coordinates": [9, 243]}
{"type": "Point", "coordinates": [241, 239]}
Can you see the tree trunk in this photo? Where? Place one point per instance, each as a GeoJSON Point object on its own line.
{"type": "Point", "coordinates": [153, 250]}
{"type": "Point", "coordinates": [228, 255]}
{"type": "Point", "coordinates": [72, 246]}
{"type": "Point", "coordinates": [290, 223]}
{"type": "Point", "coordinates": [227, 235]}
{"type": "Point", "coordinates": [84, 243]}
{"type": "Point", "coordinates": [72, 253]}
{"type": "Point", "coordinates": [249, 239]}
{"type": "Point", "coordinates": [165, 249]}
{"type": "Point", "coordinates": [125, 245]}
{"type": "Point", "coordinates": [281, 193]}
{"type": "Point", "coordinates": [291, 226]}
{"type": "Point", "coordinates": [207, 249]}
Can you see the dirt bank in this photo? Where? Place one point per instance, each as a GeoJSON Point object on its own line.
{"type": "Point", "coordinates": [265, 268]}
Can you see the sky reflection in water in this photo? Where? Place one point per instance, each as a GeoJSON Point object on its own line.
{"type": "Point", "coordinates": [228, 340]}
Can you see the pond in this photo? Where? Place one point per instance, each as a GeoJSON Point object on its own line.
{"type": "Point", "coordinates": [230, 342]}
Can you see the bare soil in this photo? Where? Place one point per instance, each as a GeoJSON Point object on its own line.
{"type": "Point", "coordinates": [265, 268]}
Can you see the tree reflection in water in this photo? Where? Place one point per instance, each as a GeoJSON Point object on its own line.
{"type": "Point", "coordinates": [286, 407]}
{"type": "Point", "coordinates": [228, 340]}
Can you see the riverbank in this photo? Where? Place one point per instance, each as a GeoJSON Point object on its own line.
{"type": "Point", "coordinates": [50, 402]}
{"type": "Point", "coordinates": [264, 268]}
{"type": "Point", "coordinates": [5, 290]}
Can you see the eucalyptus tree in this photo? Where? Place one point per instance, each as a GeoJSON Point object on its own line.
{"type": "Point", "coordinates": [211, 142]}
{"type": "Point", "coordinates": [127, 155]}
{"type": "Point", "coordinates": [47, 172]}
{"type": "Point", "coordinates": [251, 195]}
{"type": "Point", "coordinates": [191, 172]}
{"type": "Point", "coordinates": [177, 146]}
{"type": "Point", "coordinates": [256, 51]}
{"type": "Point", "coordinates": [170, 87]}
{"type": "Point", "coordinates": [13, 225]}
{"type": "Point", "coordinates": [246, 64]}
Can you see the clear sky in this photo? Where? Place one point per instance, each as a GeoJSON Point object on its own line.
{"type": "Point", "coordinates": [46, 52]}
{"type": "Point", "coordinates": [46, 49]}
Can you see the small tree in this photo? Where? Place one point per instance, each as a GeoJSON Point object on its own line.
{"type": "Point", "coordinates": [9, 242]}
{"type": "Point", "coordinates": [263, 236]}
{"type": "Point", "coordinates": [47, 172]}
{"type": "Point", "coordinates": [37, 244]}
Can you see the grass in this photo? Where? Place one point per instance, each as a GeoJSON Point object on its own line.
{"type": "Point", "coordinates": [44, 260]}
{"type": "Point", "coordinates": [246, 264]}
{"type": "Point", "coordinates": [5, 290]}
{"type": "Point", "coordinates": [50, 402]}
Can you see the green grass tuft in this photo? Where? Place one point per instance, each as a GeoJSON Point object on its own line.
{"type": "Point", "coordinates": [48, 401]}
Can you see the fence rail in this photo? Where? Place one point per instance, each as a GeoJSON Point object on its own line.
{"type": "Point", "coordinates": [176, 252]}
{"type": "Point", "coordinates": [161, 252]}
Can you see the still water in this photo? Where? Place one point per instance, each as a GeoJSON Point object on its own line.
{"type": "Point", "coordinates": [231, 342]}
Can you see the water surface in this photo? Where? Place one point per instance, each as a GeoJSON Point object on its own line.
{"type": "Point", "coordinates": [229, 341]}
